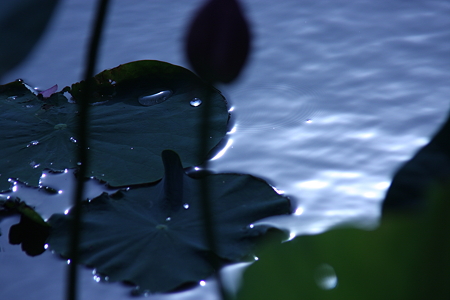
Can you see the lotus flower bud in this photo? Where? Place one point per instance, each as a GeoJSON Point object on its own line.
{"type": "Point", "coordinates": [218, 41]}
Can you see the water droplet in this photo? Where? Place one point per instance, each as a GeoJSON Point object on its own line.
{"type": "Point", "coordinates": [153, 99]}
{"type": "Point", "coordinates": [68, 261]}
{"type": "Point", "coordinates": [195, 102]}
{"type": "Point", "coordinates": [33, 143]}
{"type": "Point", "coordinates": [34, 165]}
{"type": "Point", "coordinates": [251, 226]}
{"type": "Point", "coordinates": [46, 246]}
{"type": "Point", "coordinates": [202, 282]}
{"type": "Point", "coordinates": [255, 258]}
{"type": "Point", "coordinates": [73, 140]}
{"type": "Point", "coordinates": [299, 211]}
{"type": "Point", "coordinates": [325, 277]}
{"type": "Point", "coordinates": [11, 98]}
{"type": "Point", "coordinates": [168, 219]}
{"type": "Point", "coordinates": [19, 80]}
{"type": "Point", "coordinates": [186, 206]}
{"type": "Point", "coordinates": [308, 121]}
{"type": "Point", "coordinates": [292, 236]}
{"type": "Point", "coordinates": [66, 211]}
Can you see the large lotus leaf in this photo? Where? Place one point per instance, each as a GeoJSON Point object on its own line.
{"type": "Point", "coordinates": [407, 257]}
{"type": "Point", "coordinates": [152, 106]}
{"type": "Point", "coordinates": [430, 164]}
{"type": "Point", "coordinates": [154, 237]}
{"type": "Point", "coordinates": [36, 134]}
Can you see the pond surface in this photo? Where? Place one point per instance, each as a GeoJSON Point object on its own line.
{"type": "Point", "coordinates": [335, 97]}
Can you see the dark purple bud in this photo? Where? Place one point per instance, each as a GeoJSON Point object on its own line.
{"type": "Point", "coordinates": [218, 41]}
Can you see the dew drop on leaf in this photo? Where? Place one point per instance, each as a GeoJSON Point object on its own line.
{"type": "Point", "coordinates": [34, 165]}
{"type": "Point", "coordinates": [149, 100]}
{"type": "Point", "coordinates": [195, 102]}
{"type": "Point", "coordinates": [33, 143]}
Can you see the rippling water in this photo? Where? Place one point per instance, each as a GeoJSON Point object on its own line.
{"type": "Point", "coordinates": [336, 96]}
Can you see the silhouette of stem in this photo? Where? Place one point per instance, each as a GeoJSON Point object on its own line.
{"type": "Point", "coordinates": [211, 234]}
{"type": "Point", "coordinates": [82, 154]}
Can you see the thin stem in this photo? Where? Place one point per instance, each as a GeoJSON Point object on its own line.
{"type": "Point", "coordinates": [208, 217]}
{"type": "Point", "coordinates": [82, 154]}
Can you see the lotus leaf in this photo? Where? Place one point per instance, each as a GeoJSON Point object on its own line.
{"type": "Point", "coordinates": [153, 236]}
{"type": "Point", "coordinates": [138, 110]}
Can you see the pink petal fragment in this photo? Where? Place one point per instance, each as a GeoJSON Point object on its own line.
{"type": "Point", "coordinates": [48, 92]}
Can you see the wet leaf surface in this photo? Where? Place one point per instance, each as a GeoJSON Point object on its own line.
{"type": "Point", "coordinates": [139, 109]}
{"type": "Point", "coordinates": [153, 236]}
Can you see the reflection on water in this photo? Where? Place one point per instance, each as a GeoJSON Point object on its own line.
{"type": "Point", "coordinates": [288, 105]}
{"type": "Point", "coordinates": [325, 277]}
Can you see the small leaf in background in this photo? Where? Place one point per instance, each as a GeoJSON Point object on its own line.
{"type": "Point", "coordinates": [406, 258]}
{"type": "Point", "coordinates": [153, 236]}
{"type": "Point", "coordinates": [218, 41]}
{"type": "Point", "coordinates": [22, 23]}
{"type": "Point", "coordinates": [138, 110]}
{"type": "Point", "coordinates": [31, 232]}
{"type": "Point", "coordinates": [415, 177]}
{"type": "Point", "coordinates": [31, 235]}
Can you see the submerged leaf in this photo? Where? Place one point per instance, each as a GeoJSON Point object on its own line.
{"type": "Point", "coordinates": [153, 236]}
{"type": "Point", "coordinates": [139, 109]}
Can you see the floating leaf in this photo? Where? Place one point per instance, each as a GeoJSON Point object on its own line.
{"type": "Point", "coordinates": [31, 231]}
{"type": "Point", "coordinates": [407, 257]}
{"type": "Point", "coordinates": [139, 109]}
{"type": "Point", "coordinates": [154, 237]}
{"type": "Point", "coordinates": [30, 234]}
